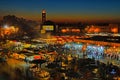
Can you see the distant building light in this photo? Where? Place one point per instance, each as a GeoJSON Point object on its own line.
{"type": "Point", "coordinates": [5, 26]}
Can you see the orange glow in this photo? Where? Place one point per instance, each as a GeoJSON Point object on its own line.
{"type": "Point", "coordinates": [91, 30]}
{"type": "Point", "coordinates": [64, 30]}
{"type": "Point", "coordinates": [10, 30]}
{"type": "Point", "coordinates": [97, 30]}
{"type": "Point", "coordinates": [114, 30]}
{"type": "Point", "coordinates": [114, 47]}
{"type": "Point", "coordinates": [43, 11]}
{"type": "Point", "coordinates": [75, 30]}
{"type": "Point", "coordinates": [70, 30]}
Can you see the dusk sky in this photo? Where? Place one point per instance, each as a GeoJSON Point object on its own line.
{"type": "Point", "coordinates": [63, 10]}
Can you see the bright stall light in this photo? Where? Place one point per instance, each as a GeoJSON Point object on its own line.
{"type": "Point", "coordinates": [5, 26]}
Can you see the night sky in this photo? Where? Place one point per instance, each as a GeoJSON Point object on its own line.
{"type": "Point", "coordinates": [64, 10]}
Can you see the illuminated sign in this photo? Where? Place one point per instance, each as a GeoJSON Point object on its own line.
{"type": "Point", "coordinates": [48, 27]}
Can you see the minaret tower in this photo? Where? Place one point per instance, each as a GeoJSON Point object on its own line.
{"type": "Point", "coordinates": [43, 16]}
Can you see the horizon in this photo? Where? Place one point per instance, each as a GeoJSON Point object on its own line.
{"type": "Point", "coordinates": [89, 22]}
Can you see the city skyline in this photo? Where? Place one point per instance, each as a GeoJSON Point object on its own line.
{"type": "Point", "coordinates": [63, 10]}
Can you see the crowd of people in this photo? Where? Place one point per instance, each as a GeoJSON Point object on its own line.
{"type": "Point", "coordinates": [67, 64]}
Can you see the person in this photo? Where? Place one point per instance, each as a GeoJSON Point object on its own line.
{"type": "Point", "coordinates": [29, 74]}
{"type": "Point", "coordinates": [26, 60]}
{"type": "Point", "coordinates": [62, 78]}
